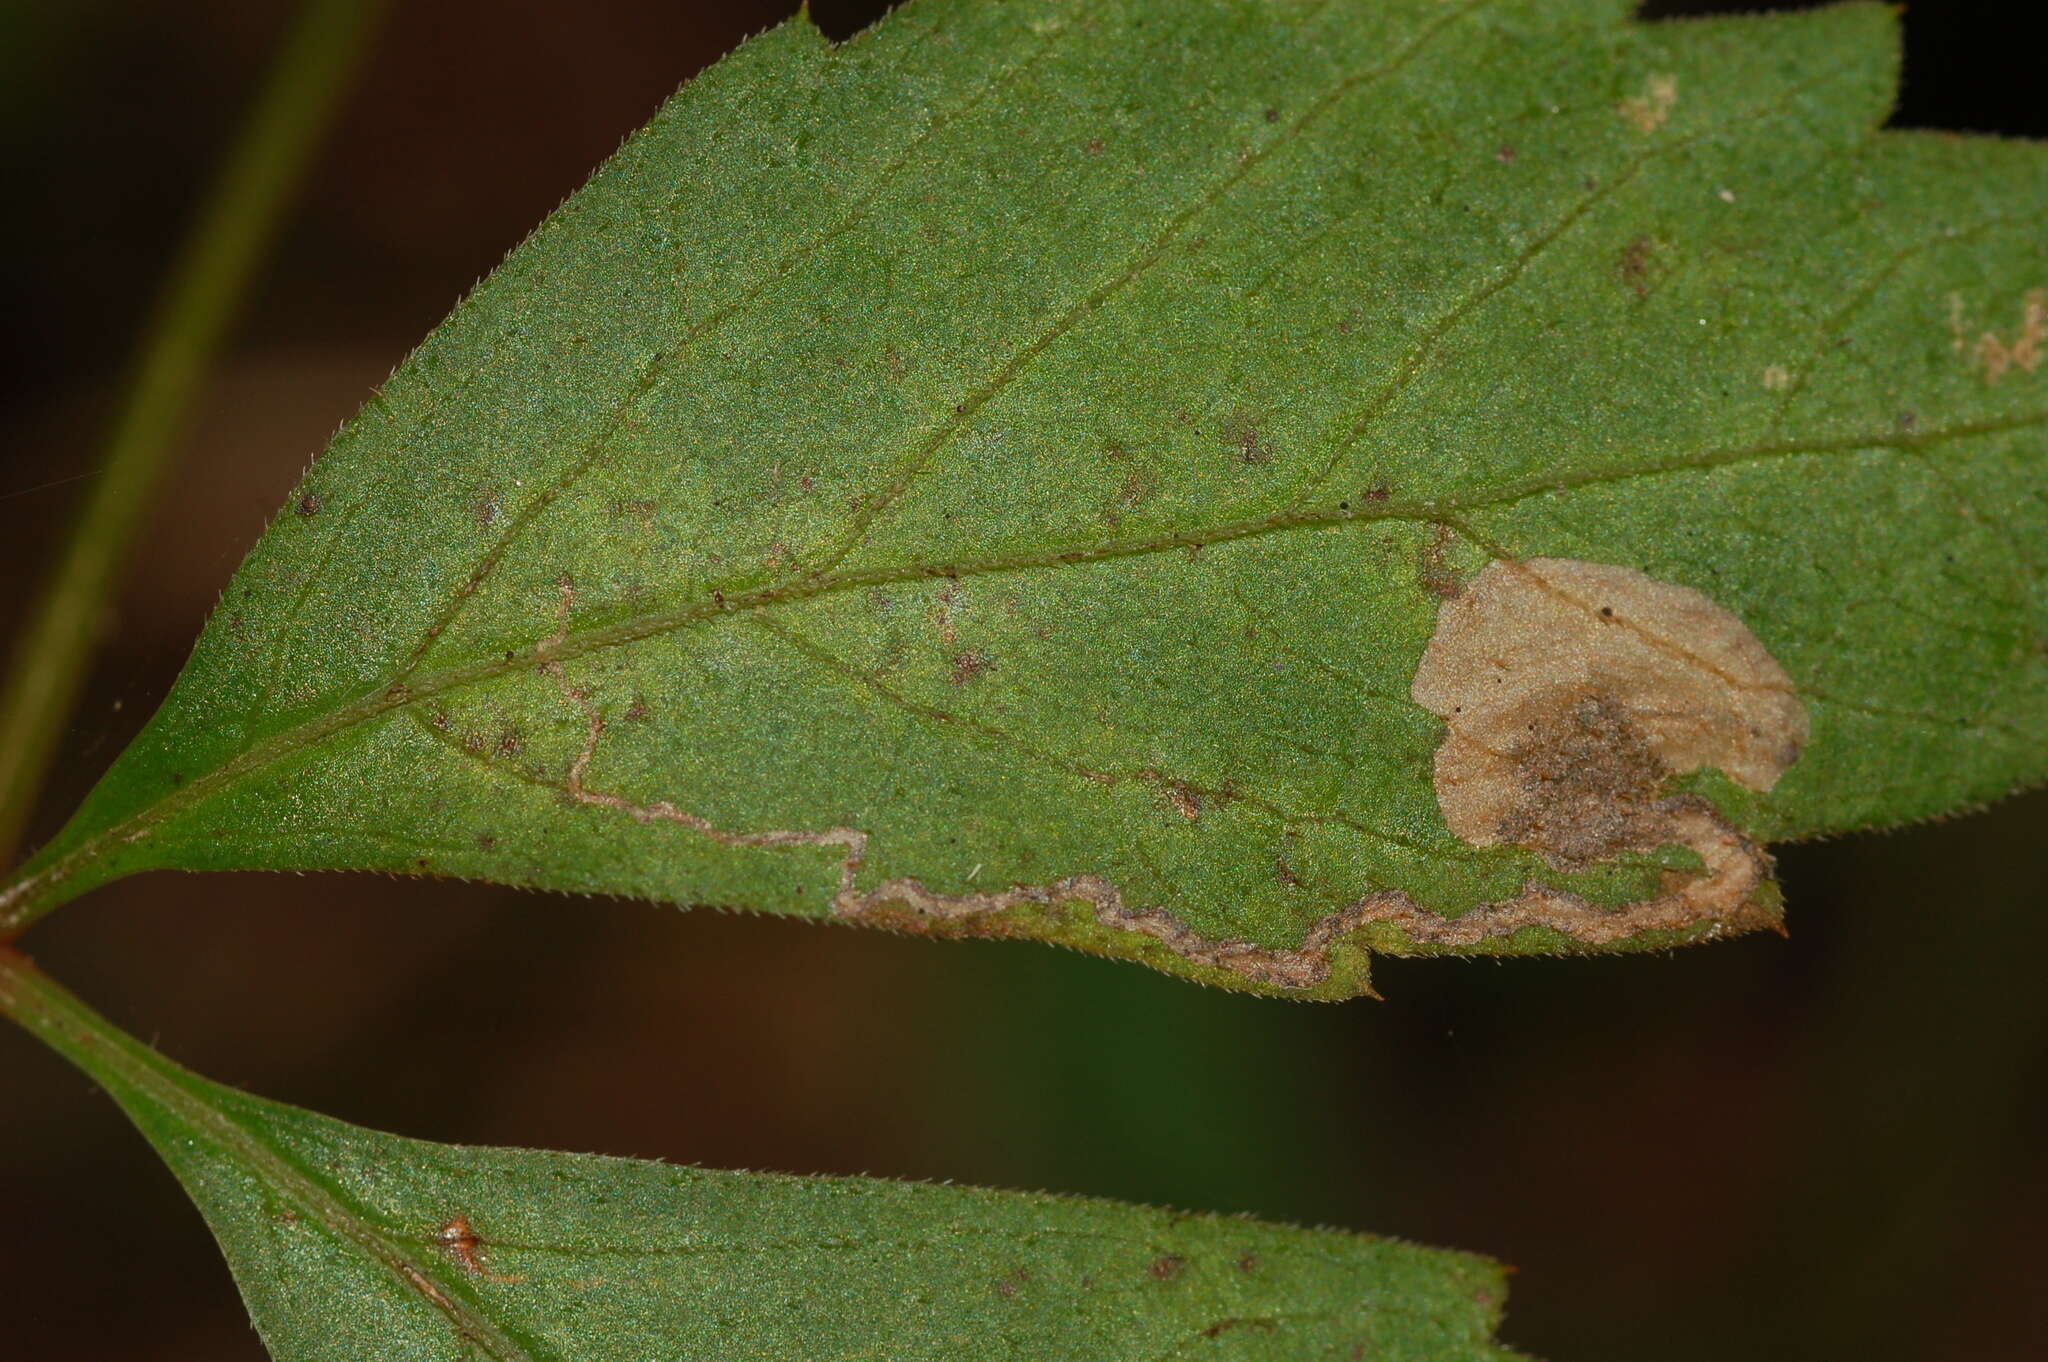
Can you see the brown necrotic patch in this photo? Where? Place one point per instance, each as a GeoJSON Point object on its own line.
{"type": "Point", "coordinates": [1573, 692]}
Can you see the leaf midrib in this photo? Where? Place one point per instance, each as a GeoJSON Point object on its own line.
{"type": "Point", "coordinates": [28, 897]}
{"type": "Point", "coordinates": [963, 412]}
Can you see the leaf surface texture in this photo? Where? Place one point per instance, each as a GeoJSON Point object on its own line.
{"type": "Point", "coordinates": [1002, 475]}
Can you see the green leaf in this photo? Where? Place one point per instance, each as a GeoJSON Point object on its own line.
{"type": "Point", "coordinates": [350, 1244]}
{"type": "Point", "coordinates": [1234, 485]}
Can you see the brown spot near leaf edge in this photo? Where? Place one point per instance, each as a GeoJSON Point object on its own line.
{"type": "Point", "coordinates": [1572, 693]}
{"type": "Point", "coordinates": [309, 504]}
{"type": "Point", "coordinates": [1168, 1266]}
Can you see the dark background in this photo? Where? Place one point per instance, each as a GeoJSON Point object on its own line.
{"type": "Point", "coordinates": [1822, 1147]}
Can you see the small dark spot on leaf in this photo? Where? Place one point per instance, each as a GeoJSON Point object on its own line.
{"type": "Point", "coordinates": [1635, 266]}
{"type": "Point", "coordinates": [1168, 1267]}
{"type": "Point", "coordinates": [1248, 1262]}
{"type": "Point", "coordinates": [1272, 115]}
{"type": "Point", "coordinates": [638, 510]}
{"type": "Point", "coordinates": [309, 504]}
{"type": "Point", "coordinates": [1435, 573]}
{"type": "Point", "coordinates": [969, 667]}
{"type": "Point", "coordinates": [1242, 434]}
{"type": "Point", "coordinates": [1506, 154]}
{"type": "Point", "coordinates": [637, 712]}
{"type": "Point", "coordinates": [1093, 147]}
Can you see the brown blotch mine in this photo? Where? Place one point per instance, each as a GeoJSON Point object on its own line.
{"type": "Point", "coordinates": [1574, 691]}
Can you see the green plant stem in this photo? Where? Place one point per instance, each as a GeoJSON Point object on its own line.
{"type": "Point", "coordinates": [212, 275]}
{"type": "Point", "coordinates": [53, 1014]}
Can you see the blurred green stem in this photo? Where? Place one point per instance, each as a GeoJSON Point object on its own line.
{"type": "Point", "coordinates": [212, 274]}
